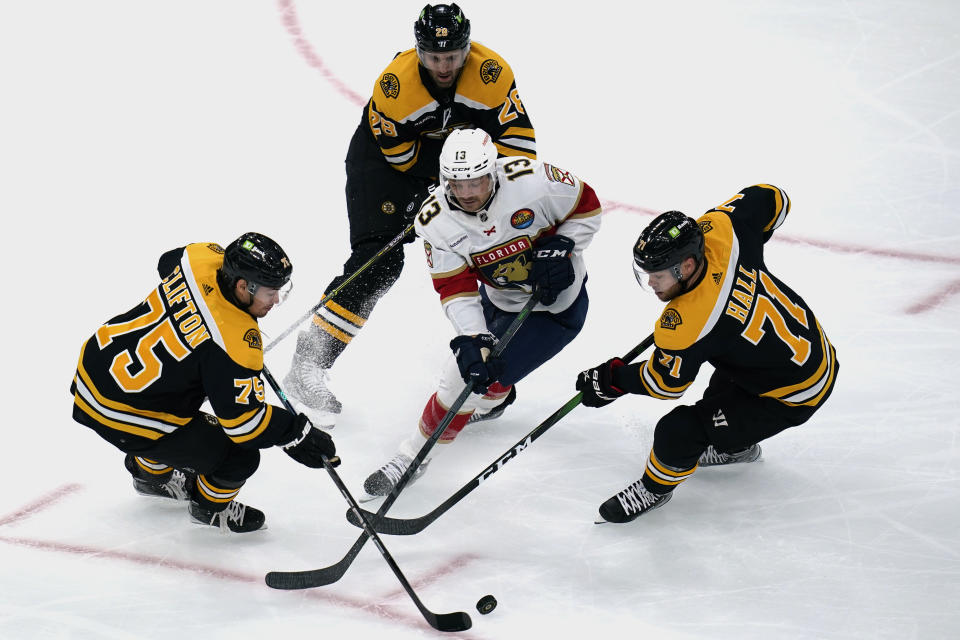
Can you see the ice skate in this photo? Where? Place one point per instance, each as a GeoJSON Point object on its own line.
{"type": "Point", "coordinates": [178, 487]}
{"type": "Point", "coordinates": [237, 517]}
{"type": "Point", "coordinates": [306, 385]}
{"type": "Point", "coordinates": [497, 411]}
{"type": "Point", "coordinates": [631, 503]}
{"type": "Point", "coordinates": [713, 458]}
{"type": "Point", "coordinates": [381, 482]}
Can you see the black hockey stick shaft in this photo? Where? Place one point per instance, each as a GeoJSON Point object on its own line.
{"type": "Point", "coordinates": [456, 621]}
{"type": "Point", "coordinates": [410, 526]}
{"type": "Point", "coordinates": [329, 296]}
{"type": "Point", "coordinates": [327, 575]}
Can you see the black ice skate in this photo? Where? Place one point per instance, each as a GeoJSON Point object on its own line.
{"type": "Point", "coordinates": [237, 517]}
{"type": "Point", "coordinates": [380, 483]}
{"type": "Point", "coordinates": [712, 458]}
{"type": "Point", "coordinates": [631, 503]}
{"type": "Point", "coordinates": [178, 487]}
{"type": "Point", "coordinates": [497, 411]}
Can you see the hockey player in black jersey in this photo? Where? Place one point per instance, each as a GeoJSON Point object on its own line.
{"type": "Point", "coordinates": [446, 82]}
{"type": "Point", "coordinates": [773, 364]}
{"type": "Point", "coordinates": [143, 376]}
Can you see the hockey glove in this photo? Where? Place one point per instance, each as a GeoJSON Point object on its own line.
{"type": "Point", "coordinates": [476, 367]}
{"type": "Point", "coordinates": [551, 270]}
{"type": "Point", "coordinates": [311, 443]}
{"type": "Point", "coordinates": [597, 386]}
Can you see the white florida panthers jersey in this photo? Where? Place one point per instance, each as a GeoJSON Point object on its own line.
{"type": "Point", "coordinates": [493, 247]}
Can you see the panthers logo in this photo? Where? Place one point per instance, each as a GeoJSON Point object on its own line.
{"type": "Point", "coordinates": [670, 319]}
{"type": "Point", "coordinates": [490, 71]}
{"type": "Point", "coordinates": [252, 338]}
{"type": "Point", "coordinates": [390, 84]}
{"type": "Point", "coordinates": [517, 270]}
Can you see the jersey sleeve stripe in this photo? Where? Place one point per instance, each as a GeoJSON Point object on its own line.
{"type": "Point", "coordinates": [781, 207]}
{"type": "Point", "coordinates": [252, 428]}
{"type": "Point", "coordinates": [516, 147]}
{"type": "Point", "coordinates": [655, 385]}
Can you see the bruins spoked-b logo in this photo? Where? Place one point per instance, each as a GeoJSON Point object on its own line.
{"type": "Point", "coordinates": [490, 71]}
{"type": "Point", "coordinates": [670, 319]}
{"type": "Point", "coordinates": [390, 85]}
{"type": "Point", "coordinates": [253, 340]}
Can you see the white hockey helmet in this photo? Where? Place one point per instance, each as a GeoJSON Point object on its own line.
{"type": "Point", "coordinates": [468, 154]}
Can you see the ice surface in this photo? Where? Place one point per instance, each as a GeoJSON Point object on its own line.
{"type": "Point", "coordinates": [128, 128]}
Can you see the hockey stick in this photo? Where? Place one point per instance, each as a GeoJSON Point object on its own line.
{"type": "Point", "coordinates": [456, 621]}
{"type": "Point", "coordinates": [329, 296]}
{"type": "Point", "coordinates": [410, 526]}
{"type": "Point", "coordinates": [330, 574]}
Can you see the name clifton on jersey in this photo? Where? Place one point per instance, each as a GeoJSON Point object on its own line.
{"type": "Point", "coordinates": [191, 326]}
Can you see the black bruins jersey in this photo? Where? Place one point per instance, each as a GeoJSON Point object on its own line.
{"type": "Point", "coordinates": [145, 373]}
{"type": "Point", "coordinates": [740, 317]}
{"type": "Point", "coordinates": [409, 117]}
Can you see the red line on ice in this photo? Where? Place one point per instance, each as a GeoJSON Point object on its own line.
{"type": "Point", "coordinates": [41, 503]}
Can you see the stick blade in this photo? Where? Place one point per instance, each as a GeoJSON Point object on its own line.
{"type": "Point", "coordinates": [387, 525]}
{"type": "Point", "coordinates": [292, 580]}
{"type": "Point", "coordinates": [456, 621]}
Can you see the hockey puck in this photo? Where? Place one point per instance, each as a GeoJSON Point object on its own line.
{"type": "Point", "coordinates": [486, 604]}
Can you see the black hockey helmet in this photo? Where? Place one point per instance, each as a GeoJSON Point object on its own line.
{"type": "Point", "coordinates": [258, 260]}
{"type": "Point", "coordinates": [670, 239]}
{"type": "Point", "coordinates": [441, 27]}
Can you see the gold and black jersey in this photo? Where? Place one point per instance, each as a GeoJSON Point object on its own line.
{"type": "Point", "coordinates": [409, 117]}
{"type": "Point", "coordinates": [740, 317]}
{"type": "Point", "coordinates": [146, 372]}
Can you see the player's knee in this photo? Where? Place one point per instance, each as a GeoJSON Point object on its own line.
{"type": "Point", "coordinates": [679, 437]}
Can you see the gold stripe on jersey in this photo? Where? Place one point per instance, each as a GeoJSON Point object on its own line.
{"type": "Point", "coordinates": [213, 493]}
{"type": "Point", "coordinates": [104, 410]}
{"type": "Point", "coordinates": [811, 391]}
{"type": "Point", "coordinates": [695, 313]}
{"type": "Point", "coordinates": [462, 294]}
{"type": "Point", "coordinates": [656, 387]}
{"type": "Point", "coordinates": [346, 313]}
{"type": "Point", "coordinates": [113, 424]}
{"type": "Point", "coordinates": [666, 475]}
{"type": "Point", "coordinates": [781, 207]}
{"type": "Point", "coordinates": [248, 425]}
{"type": "Point", "coordinates": [235, 330]}
{"type": "Point", "coordinates": [325, 326]}
{"type": "Point", "coordinates": [510, 147]}
{"type": "Point", "coordinates": [403, 156]}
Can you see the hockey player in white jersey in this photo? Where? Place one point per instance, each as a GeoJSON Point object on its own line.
{"type": "Point", "coordinates": [495, 230]}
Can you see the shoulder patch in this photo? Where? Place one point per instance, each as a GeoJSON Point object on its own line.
{"type": "Point", "coordinates": [390, 84]}
{"type": "Point", "coordinates": [428, 251]}
{"type": "Point", "coordinates": [717, 277]}
{"type": "Point", "coordinates": [522, 219]}
{"type": "Point", "coordinates": [253, 340]}
{"type": "Point", "coordinates": [670, 319]}
{"type": "Point", "coordinates": [556, 174]}
{"type": "Point", "coordinates": [213, 246]}
{"type": "Point", "coordinates": [705, 226]}
{"type": "Point", "coordinates": [490, 70]}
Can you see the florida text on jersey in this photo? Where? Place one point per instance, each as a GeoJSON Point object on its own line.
{"type": "Point", "coordinates": [533, 200]}
{"type": "Point", "coordinates": [740, 317]}
{"type": "Point", "coordinates": [146, 372]}
{"type": "Point", "coordinates": [410, 123]}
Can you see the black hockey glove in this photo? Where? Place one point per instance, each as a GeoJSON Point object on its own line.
{"type": "Point", "coordinates": [597, 386]}
{"type": "Point", "coordinates": [412, 207]}
{"type": "Point", "coordinates": [552, 269]}
{"type": "Point", "coordinates": [311, 443]}
{"type": "Point", "coordinates": [473, 367]}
